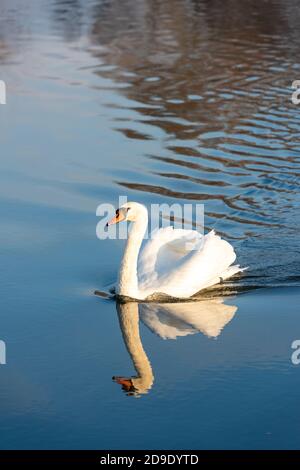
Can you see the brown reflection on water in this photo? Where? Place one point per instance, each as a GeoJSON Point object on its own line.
{"type": "Point", "coordinates": [68, 17]}
{"type": "Point", "coordinates": [215, 77]}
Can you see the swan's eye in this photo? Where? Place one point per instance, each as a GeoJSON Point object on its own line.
{"type": "Point", "coordinates": [128, 209]}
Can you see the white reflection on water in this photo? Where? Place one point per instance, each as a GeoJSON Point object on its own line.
{"type": "Point", "coordinates": [169, 321]}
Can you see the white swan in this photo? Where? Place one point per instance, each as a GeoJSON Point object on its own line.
{"type": "Point", "coordinates": [175, 262]}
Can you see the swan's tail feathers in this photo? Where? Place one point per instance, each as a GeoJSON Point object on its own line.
{"type": "Point", "coordinates": [231, 271]}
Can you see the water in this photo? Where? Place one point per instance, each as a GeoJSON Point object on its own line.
{"type": "Point", "coordinates": [182, 101]}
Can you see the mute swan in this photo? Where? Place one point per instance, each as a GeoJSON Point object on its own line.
{"type": "Point", "coordinates": [175, 262]}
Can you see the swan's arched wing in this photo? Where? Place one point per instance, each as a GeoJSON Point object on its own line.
{"type": "Point", "coordinates": [164, 252]}
{"type": "Point", "coordinates": [186, 274]}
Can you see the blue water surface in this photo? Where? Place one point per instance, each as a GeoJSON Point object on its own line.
{"type": "Point", "coordinates": [182, 101]}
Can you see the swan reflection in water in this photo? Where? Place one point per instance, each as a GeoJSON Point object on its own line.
{"type": "Point", "coordinates": [169, 321]}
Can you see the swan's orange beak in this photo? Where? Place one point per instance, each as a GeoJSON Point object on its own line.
{"type": "Point", "coordinates": [115, 220]}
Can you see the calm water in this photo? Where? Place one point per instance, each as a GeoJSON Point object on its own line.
{"type": "Point", "coordinates": [182, 101]}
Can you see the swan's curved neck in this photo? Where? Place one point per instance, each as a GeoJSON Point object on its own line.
{"type": "Point", "coordinates": [128, 280]}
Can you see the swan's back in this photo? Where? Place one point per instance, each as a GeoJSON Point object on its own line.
{"type": "Point", "coordinates": [180, 263]}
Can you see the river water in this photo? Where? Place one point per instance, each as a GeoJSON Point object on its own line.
{"type": "Point", "coordinates": [183, 101]}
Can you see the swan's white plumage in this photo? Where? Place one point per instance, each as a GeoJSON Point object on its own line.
{"type": "Point", "coordinates": [166, 248]}
{"type": "Point", "coordinates": [181, 262]}
{"type": "Point", "coordinates": [175, 262]}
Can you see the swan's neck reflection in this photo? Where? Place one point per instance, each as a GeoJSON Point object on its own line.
{"type": "Point", "coordinates": [129, 322]}
{"type": "Point", "coordinates": [169, 321]}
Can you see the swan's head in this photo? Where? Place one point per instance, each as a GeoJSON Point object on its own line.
{"type": "Point", "coordinates": [131, 211]}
